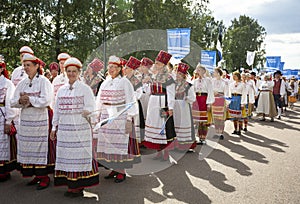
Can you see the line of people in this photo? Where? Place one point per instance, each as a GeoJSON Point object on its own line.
{"type": "Point", "coordinates": [142, 102]}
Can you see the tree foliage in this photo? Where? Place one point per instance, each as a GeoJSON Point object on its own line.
{"type": "Point", "coordinates": [244, 34]}
{"type": "Point", "coordinates": [77, 27]}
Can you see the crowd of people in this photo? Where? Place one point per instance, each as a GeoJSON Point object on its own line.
{"type": "Point", "coordinates": [69, 122]}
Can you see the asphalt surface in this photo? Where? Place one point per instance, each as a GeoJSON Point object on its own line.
{"type": "Point", "coordinates": [260, 166]}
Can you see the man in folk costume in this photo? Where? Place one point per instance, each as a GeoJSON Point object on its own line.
{"type": "Point", "coordinates": [18, 74]}
{"type": "Point", "coordinates": [278, 92]}
{"type": "Point", "coordinates": [183, 120]}
{"type": "Point", "coordinates": [62, 78]}
{"type": "Point", "coordinates": [75, 166]}
{"type": "Point", "coordinates": [117, 147]}
{"type": "Point", "coordinates": [33, 95]}
{"type": "Point", "coordinates": [160, 132]}
{"type": "Point", "coordinates": [203, 104]}
{"type": "Point", "coordinates": [130, 70]}
{"type": "Point", "coordinates": [221, 90]}
{"type": "Point", "coordinates": [92, 76]}
{"type": "Point", "coordinates": [8, 145]}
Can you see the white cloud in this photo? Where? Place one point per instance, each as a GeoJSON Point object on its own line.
{"type": "Point", "coordinates": [278, 17]}
{"type": "Point", "coordinates": [287, 46]}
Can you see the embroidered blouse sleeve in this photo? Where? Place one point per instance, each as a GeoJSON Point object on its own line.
{"type": "Point", "coordinates": [10, 112]}
{"type": "Point", "coordinates": [129, 97]}
{"type": "Point", "coordinates": [191, 96]}
{"type": "Point", "coordinates": [14, 102]}
{"type": "Point", "coordinates": [46, 96]}
{"type": "Point", "coordinates": [210, 92]}
{"type": "Point", "coordinates": [56, 113]}
{"type": "Point", "coordinates": [171, 96]}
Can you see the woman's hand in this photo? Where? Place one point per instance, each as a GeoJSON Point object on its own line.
{"type": "Point", "coordinates": [7, 128]}
{"type": "Point", "coordinates": [53, 135]}
{"type": "Point", "coordinates": [24, 99]}
{"type": "Point", "coordinates": [85, 113]}
{"type": "Point", "coordinates": [208, 107]}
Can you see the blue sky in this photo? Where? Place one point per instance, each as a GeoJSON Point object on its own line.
{"type": "Point", "coordinates": [280, 18]}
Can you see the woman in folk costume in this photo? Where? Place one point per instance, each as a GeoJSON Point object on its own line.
{"type": "Point", "coordinates": [266, 104]}
{"type": "Point", "coordinates": [129, 71]}
{"type": "Point", "coordinates": [33, 95]}
{"type": "Point", "coordinates": [221, 91]}
{"type": "Point", "coordinates": [294, 90]}
{"type": "Point", "coordinates": [238, 95]}
{"type": "Point", "coordinates": [146, 79]}
{"type": "Point", "coordinates": [250, 89]}
{"type": "Point", "coordinates": [61, 79]}
{"type": "Point", "coordinates": [8, 145]}
{"type": "Point", "coordinates": [19, 73]}
{"type": "Point", "coordinates": [183, 121]}
{"type": "Point", "coordinates": [75, 166]}
{"type": "Point", "coordinates": [203, 104]}
{"type": "Point", "coordinates": [54, 68]}
{"type": "Point", "coordinates": [117, 148]}
{"type": "Point", "coordinates": [92, 76]}
{"type": "Point", "coordinates": [160, 131]}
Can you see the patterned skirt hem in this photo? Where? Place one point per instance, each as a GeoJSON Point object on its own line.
{"type": "Point", "coordinates": [77, 184]}
{"type": "Point", "coordinates": [7, 166]}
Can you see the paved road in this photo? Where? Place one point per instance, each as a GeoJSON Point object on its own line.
{"type": "Point", "coordinates": [261, 166]}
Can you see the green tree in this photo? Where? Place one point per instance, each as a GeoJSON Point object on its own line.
{"type": "Point", "coordinates": [48, 26]}
{"type": "Point", "coordinates": [244, 34]}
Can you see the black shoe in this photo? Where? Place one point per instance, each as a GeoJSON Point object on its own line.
{"type": "Point", "coordinates": [279, 117]}
{"type": "Point", "coordinates": [245, 129]}
{"type": "Point", "coordinates": [73, 194]}
{"type": "Point", "coordinates": [120, 178]}
{"type": "Point", "coordinates": [190, 151]}
{"type": "Point", "coordinates": [202, 142]}
{"type": "Point", "coordinates": [239, 133]}
{"type": "Point", "coordinates": [263, 119]}
{"type": "Point", "coordinates": [272, 119]}
{"type": "Point", "coordinates": [221, 137]}
{"type": "Point", "coordinates": [112, 174]}
{"type": "Point", "coordinates": [33, 181]}
{"type": "Point", "coordinates": [235, 132]}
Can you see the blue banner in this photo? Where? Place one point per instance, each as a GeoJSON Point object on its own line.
{"type": "Point", "coordinates": [281, 65]}
{"type": "Point", "coordinates": [289, 73]}
{"type": "Point", "coordinates": [208, 59]}
{"type": "Point", "coordinates": [179, 42]}
{"type": "Point", "coordinates": [273, 61]}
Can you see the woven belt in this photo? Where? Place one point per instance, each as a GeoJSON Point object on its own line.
{"type": "Point", "coordinates": [201, 94]}
{"type": "Point", "coordinates": [158, 94]}
{"type": "Point", "coordinates": [113, 104]}
{"type": "Point", "coordinates": [236, 94]}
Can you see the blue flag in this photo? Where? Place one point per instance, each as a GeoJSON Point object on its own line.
{"type": "Point", "coordinates": [179, 42]}
{"type": "Point", "coordinates": [208, 59]}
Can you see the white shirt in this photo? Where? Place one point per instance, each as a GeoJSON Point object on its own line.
{"type": "Point", "coordinates": [18, 74]}
{"type": "Point", "coordinates": [204, 85]}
